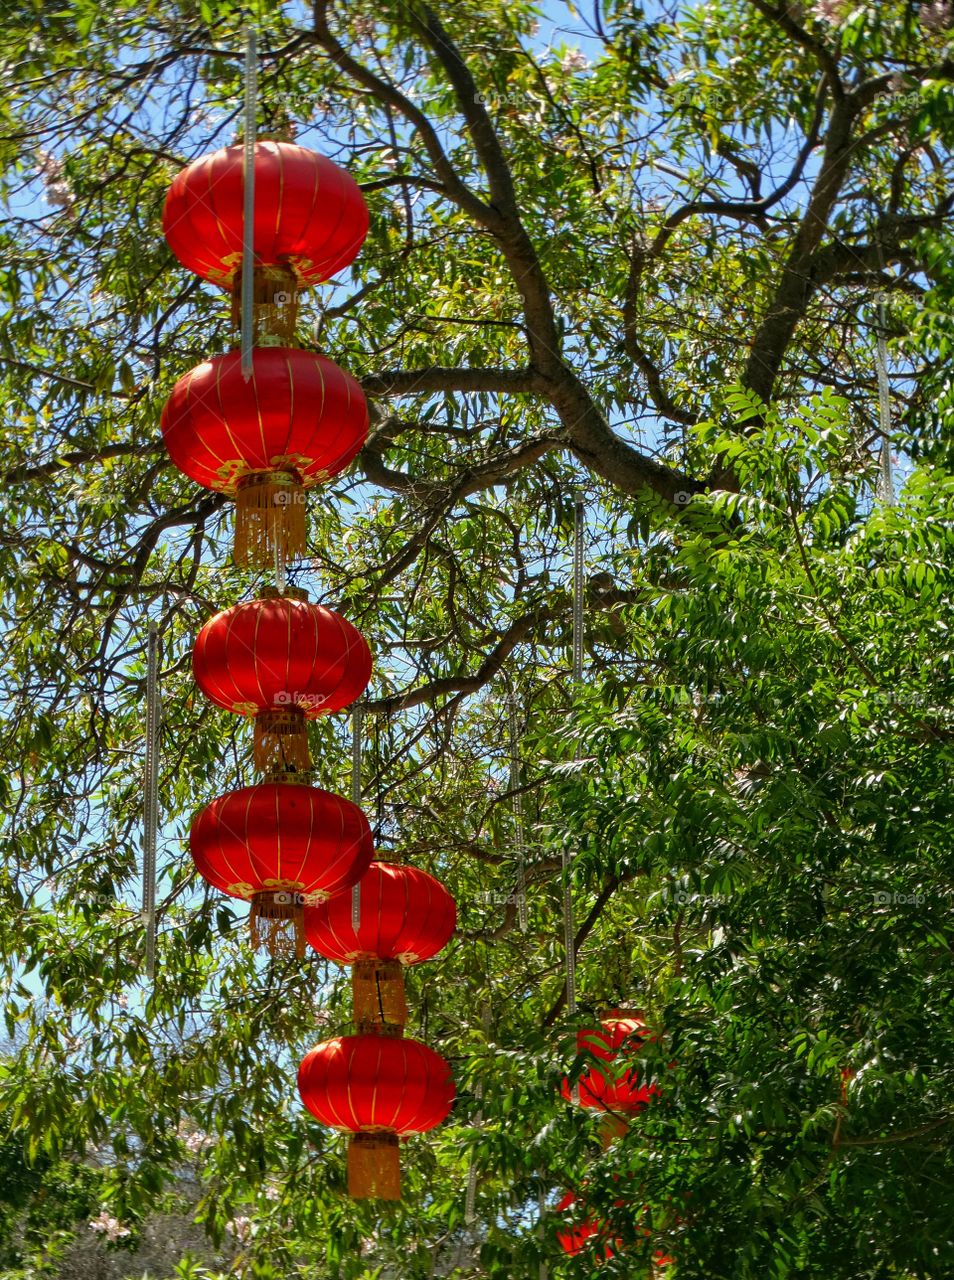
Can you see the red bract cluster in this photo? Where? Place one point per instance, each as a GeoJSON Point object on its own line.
{"type": "Point", "coordinates": [611, 1087]}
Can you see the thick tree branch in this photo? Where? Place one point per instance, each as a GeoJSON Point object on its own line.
{"type": "Point", "coordinates": [587, 432]}
{"type": "Point", "coordinates": [493, 471]}
{"type": "Point", "coordinates": [438, 379]}
{"type": "Point", "coordinates": [603, 452]}
{"type": "Point", "coordinates": [794, 289]}
{"type": "Point", "coordinates": [390, 96]}
{"type": "Point", "coordinates": [784, 19]}
{"type": "Point", "coordinates": [743, 211]}
{"type": "Point", "coordinates": [803, 275]}
{"type": "Point", "coordinates": [511, 235]}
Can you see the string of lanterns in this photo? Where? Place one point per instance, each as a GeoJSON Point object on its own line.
{"type": "Point", "coordinates": [405, 917]}
{"type": "Point", "coordinates": [291, 849]}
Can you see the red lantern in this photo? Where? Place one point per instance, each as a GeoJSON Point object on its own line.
{"type": "Point", "coordinates": [309, 213]}
{"type": "Point", "coordinates": [298, 421]}
{"type": "Point", "coordinates": [281, 845]}
{"type": "Point", "coordinates": [377, 1088]}
{"type": "Point", "coordinates": [617, 1091]}
{"type": "Point", "coordinates": [406, 916]}
{"type": "Point", "coordinates": [283, 661]}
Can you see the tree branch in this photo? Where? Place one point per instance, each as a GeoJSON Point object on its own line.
{"type": "Point", "coordinates": [482, 476]}
{"type": "Point", "coordinates": [587, 432]}
{"type": "Point", "coordinates": [784, 19]}
{"type": "Point", "coordinates": [583, 932]}
{"type": "Point", "coordinates": [79, 457]}
{"type": "Point", "coordinates": [516, 633]}
{"type": "Point", "coordinates": [391, 96]}
{"type": "Point", "coordinates": [438, 378]}
{"type": "Point", "coordinates": [795, 286]}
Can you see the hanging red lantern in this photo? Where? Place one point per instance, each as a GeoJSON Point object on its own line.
{"type": "Point", "coordinates": [309, 213]}
{"type": "Point", "coordinates": [283, 661]}
{"type": "Point", "coordinates": [405, 917]}
{"type": "Point", "coordinates": [378, 1088]}
{"type": "Point", "coordinates": [298, 421]}
{"type": "Point", "coordinates": [281, 845]}
{"type": "Point", "coordinates": [615, 1091]}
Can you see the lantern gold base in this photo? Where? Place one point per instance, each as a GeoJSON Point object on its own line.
{"type": "Point", "coordinates": [294, 777]}
{"type": "Point", "coordinates": [374, 1167]}
{"type": "Point", "coordinates": [269, 519]}
{"type": "Point", "coordinates": [273, 911]}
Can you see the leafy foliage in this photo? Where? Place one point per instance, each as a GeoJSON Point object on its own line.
{"type": "Point", "coordinates": [637, 251]}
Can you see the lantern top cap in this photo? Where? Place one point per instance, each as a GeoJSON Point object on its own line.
{"type": "Point", "coordinates": [289, 593]}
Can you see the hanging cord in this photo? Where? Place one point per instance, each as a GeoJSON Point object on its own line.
{"type": "Point", "coordinates": [518, 832]}
{"type": "Point", "coordinates": [248, 214]}
{"type": "Point", "coordinates": [542, 1220]}
{"type": "Point", "coordinates": [569, 927]}
{"type": "Point", "coordinates": [281, 577]}
{"type": "Point", "coordinates": [885, 486]}
{"type": "Point", "coordinates": [886, 473]}
{"type": "Point", "coordinates": [578, 530]}
{"type": "Point", "coordinates": [151, 798]}
{"type": "Point", "coordinates": [470, 1199]}
{"type": "Point", "coordinates": [357, 725]}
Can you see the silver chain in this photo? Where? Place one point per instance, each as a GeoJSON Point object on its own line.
{"type": "Point", "coordinates": [886, 472]}
{"type": "Point", "coordinates": [248, 213]}
{"type": "Point", "coordinates": [517, 800]}
{"type": "Point", "coordinates": [151, 798]}
{"type": "Point", "coordinates": [357, 726]}
{"type": "Point", "coordinates": [569, 925]}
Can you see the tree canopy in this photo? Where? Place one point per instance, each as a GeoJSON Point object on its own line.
{"type": "Point", "coordinates": [634, 255]}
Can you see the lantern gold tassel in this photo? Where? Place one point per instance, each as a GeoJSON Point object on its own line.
{"type": "Point", "coordinates": [272, 912]}
{"type": "Point", "coordinates": [269, 513]}
{"type": "Point", "coordinates": [280, 740]}
{"type": "Point", "coordinates": [374, 1167]}
{"type": "Point", "coordinates": [275, 292]}
{"type": "Point", "coordinates": [379, 1000]}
